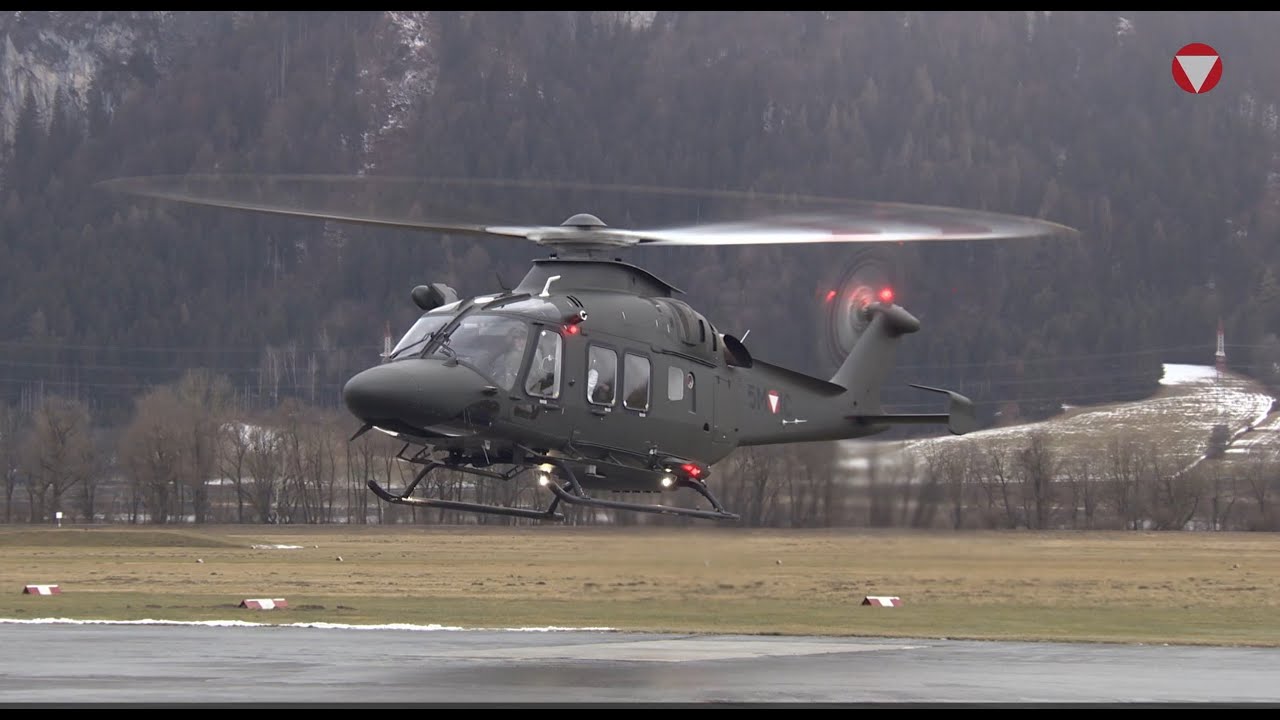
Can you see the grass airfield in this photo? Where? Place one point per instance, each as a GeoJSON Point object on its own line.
{"type": "Point", "coordinates": [1176, 588]}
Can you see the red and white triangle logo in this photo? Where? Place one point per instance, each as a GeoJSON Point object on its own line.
{"type": "Point", "coordinates": [1197, 68]}
{"type": "Point", "coordinates": [773, 402]}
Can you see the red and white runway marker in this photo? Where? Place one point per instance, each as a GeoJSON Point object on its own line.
{"type": "Point", "coordinates": [264, 603]}
{"type": "Point", "coordinates": [882, 601]}
{"type": "Point", "coordinates": [41, 590]}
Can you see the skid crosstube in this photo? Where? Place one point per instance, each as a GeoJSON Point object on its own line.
{"type": "Point", "coordinates": [573, 494]}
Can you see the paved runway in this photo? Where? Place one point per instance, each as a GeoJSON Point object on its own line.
{"type": "Point", "coordinates": [78, 663]}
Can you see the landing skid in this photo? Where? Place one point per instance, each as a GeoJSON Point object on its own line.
{"type": "Point", "coordinates": [571, 492]}
{"type": "Point", "coordinates": [548, 514]}
{"type": "Point", "coordinates": [718, 514]}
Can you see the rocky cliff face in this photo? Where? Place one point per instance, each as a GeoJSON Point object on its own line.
{"type": "Point", "coordinates": [71, 59]}
{"type": "Point", "coordinates": [47, 54]}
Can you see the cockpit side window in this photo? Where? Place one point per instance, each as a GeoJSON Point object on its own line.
{"type": "Point", "coordinates": [544, 374]}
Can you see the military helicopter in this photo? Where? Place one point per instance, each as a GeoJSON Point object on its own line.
{"type": "Point", "coordinates": [591, 372]}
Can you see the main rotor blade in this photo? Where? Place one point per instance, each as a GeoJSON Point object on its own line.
{"type": "Point", "coordinates": [474, 206]}
{"type": "Point", "coordinates": [859, 223]}
{"type": "Point", "coordinates": [327, 197]}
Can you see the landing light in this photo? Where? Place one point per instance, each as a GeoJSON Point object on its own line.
{"type": "Point", "coordinates": [668, 481]}
{"type": "Point", "coordinates": [544, 474]}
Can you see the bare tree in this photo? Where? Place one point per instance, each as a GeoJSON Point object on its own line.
{"type": "Point", "coordinates": [269, 374]}
{"type": "Point", "coordinates": [309, 438]}
{"type": "Point", "coordinates": [233, 452]}
{"type": "Point", "coordinates": [1038, 468]}
{"type": "Point", "coordinates": [205, 399]}
{"type": "Point", "coordinates": [1175, 495]}
{"type": "Point", "coordinates": [904, 481]}
{"type": "Point", "coordinates": [943, 466]}
{"type": "Point", "coordinates": [57, 453]}
{"type": "Point", "coordinates": [1124, 479]}
{"type": "Point", "coordinates": [1222, 499]}
{"type": "Point", "coordinates": [294, 503]}
{"type": "Point", "coordinates": [748, 482]}
{"type": "Point", "coordinates": [325, 465]}
{"type": "Point", "coordinates": [1081, 477]}
{"type": "Point", "coordinates": [360, 470]}
{"type": "Point", "coordinates": [879, 491]}
{"type": "Point", "coordinates": [10, 456]}
{"type": "Point", "coordinates": [820, 460]}
{"type": "Point", "coordinates": [106, 442]}
{"type": "Point", "coordinates": [960, 472]}
{"type": "Point", "coordinates": [929, 493]}
{"type": "Point", "coordinates": [1259, 477]}
{"type": "Point", "coordinates": [264, 463]}
{"type": "Point", "coordinates": [814, 496]}
{"type": "Point", "coordinates": [999, 482]}
{"type": "Point", "coordinates": [150, 450]}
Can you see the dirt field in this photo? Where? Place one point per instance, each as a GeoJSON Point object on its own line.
{"type": "Point", "coordinates": [1146, 587]}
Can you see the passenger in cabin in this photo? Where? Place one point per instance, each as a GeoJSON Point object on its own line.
{"type": "Point", "coordinates": [600, 376]}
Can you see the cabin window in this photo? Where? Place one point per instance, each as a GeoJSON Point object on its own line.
{"type": "Point", "coordinates": [675, 384]}
{"type": "Point", "coordinates": [635, 378]}
{"type": "Point", "coordinates": [544, 372]}
{"type": "Point", "coordinates": [602, 375]}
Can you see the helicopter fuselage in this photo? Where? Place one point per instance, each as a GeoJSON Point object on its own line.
{"type": "Point", "coordinates": [597, 362]}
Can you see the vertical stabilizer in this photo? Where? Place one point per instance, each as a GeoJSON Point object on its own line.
{"type": "Point", "coordinates": [864, 370]}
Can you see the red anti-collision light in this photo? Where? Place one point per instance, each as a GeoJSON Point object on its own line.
{"type": "Point", "coordinates": [886, 295]}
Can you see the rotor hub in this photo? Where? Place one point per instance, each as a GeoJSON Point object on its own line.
{"type": "Point", "coordinates": [583, 220]}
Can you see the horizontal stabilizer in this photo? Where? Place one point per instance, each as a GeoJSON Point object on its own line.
{"type": "Point", "coordinates": [959, 418]}
{"type": "Point", "coordinates": [962, 418]}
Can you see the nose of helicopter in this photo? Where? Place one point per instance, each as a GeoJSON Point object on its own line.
{"type": "Point", "coordinates": [418, 392]}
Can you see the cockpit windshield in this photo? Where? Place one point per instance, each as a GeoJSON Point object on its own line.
{"type": "Point", "coordinates": [418, 334]}
{"type": "Point", "coordinates": [492, 344]}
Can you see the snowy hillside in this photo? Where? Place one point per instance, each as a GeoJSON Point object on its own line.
{"type": "Point", "coordinates": [1178, 420]}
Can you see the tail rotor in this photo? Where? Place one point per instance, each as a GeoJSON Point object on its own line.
{"type": "Point", "coordinates": [870, 277]}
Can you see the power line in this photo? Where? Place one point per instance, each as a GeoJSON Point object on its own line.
{"type": "Point", "coordinates": [187, 349]}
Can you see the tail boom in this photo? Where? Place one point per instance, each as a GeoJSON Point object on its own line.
{"type": "Point", "coordinates": [784, 406]}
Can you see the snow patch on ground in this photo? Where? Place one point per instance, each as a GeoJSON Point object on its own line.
{"type": "Point", "coordinates": [1188, 374]}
